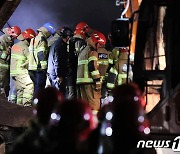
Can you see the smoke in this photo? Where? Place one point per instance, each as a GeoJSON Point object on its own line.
{"type": "Point", "coordinates": [34, 13]}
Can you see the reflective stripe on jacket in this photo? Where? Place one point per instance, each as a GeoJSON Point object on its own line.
{"type": "Point", "coordinates": [19, 58]}
{"type": "Point", "coordinates": [5, 44]}
{"type": "Point", "coordinates": [83, 75]}
{"type": "Point", "coordinates": [116, 76]}
{"type": "Point", "coordinates": [93, 66]}
{"type": "Point", "coordinates": [38, 53]}
{"type": "Point", "coordinates": [103, 56]}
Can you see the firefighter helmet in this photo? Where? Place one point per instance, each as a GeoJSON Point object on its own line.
{"type": "Point", "coordinates": [80, 32]}
{"type": "Point", "coordinates": [82, 25]}
{"type": "Point", "coordinates": [29, 33]}
{"type": "Point", "coordinates": [66, 32]}
{"type": "Point", "coordinates": [14, 31]}
{"type": "Point", "coordinates": [50, 28]}
{"type": "Point", "coordinates": [98, 37]}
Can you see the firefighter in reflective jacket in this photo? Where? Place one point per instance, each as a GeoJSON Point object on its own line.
{"type": "Point", "coordinates": [18, 68]}
{"type": "Point", "coordinates": [117, 73]}
{"type": "Point", "coordinates": [76, 44]}
{"type": "Point", "coordinates": [79, 40]}
{"type": "Point", "coordinates": [103, 63]}
{"type": "Point", "coordinates": [38, 56]}
{"type": "Point", "coordinates": [88, 75]}
{"type": "Point", "coordinates": [6, 42]}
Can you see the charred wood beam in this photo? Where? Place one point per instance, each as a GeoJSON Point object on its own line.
{"type": "Point", "coordinates": [7, 7]}
{"type": "Point", "coordinates": [1, 3]}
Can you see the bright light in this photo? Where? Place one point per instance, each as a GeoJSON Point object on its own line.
{"type": "Point", "coordinates": [36, 101]}
{"type": "Point", "coordinates": [53, 116]}
{"type": "Point", "coordinates": [109, 115]}
{"type": "Point", "coordinates": [141, 119]}
{"type": "Point", "coordinates": [136, 98]}
{"type": "Point", "coordinates": [86, 116]}
{"type": "Point", "coordinates": [58, 117]}
{"type": "Point", "coordinates": [109, 131]}
{"type": "Point", "coordinates": [147, 130]}
{"type": "Point", "coordinates": [110, 98]}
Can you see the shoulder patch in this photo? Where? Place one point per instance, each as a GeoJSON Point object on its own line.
{"type": "Point", "coordinates": [102, 56]}
{"type": "Point", "coordinates": [16, 48]}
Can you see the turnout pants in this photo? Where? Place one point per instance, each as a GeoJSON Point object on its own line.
{"type": "Point", "coordinates": [88, 92]}
{"type": "Point", "coordinates": [25, 88]}
{"type": "Point", "coordinates": [4, 80]}
{"type": "Point", "coordinates": [39, 80]}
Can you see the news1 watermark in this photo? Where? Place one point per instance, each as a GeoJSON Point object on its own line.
{"type": "Point", "coordinates": [173, 144]}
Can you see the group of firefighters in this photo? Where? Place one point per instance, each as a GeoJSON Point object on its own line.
{"type": "Point", "coordinates": [76, 63]}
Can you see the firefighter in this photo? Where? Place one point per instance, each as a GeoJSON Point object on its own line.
{"type": "Point", "coordinates": [103, 62]}
{"type": "Point", "coordinates": [59, 62]}
{"type": "Point", "coordinates": [54, 37]}
{"type": "Point", "coordinates": [76, 44]}
{"type": "Point", "coordinates": [18, 68]}
{"type": "Point", "coordinates": [88, 75]}
{"type": "Point", "coordinates": [117, 71]}
{"type": "Point", "coordinates": [38, 56]}
{"type": "Point", "coordinates": [6, 42]}
{"type": "Point", "coordinates": [80, 36]}
{"type": "Point", "coordinates": [67, 65]}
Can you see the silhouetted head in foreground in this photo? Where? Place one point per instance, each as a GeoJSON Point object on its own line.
{"type": "Point", "coordinates": [75, 125]}
{"type": "Point", "coordinates": [46, 101]}
{"type": "Point", "coordinates": [129, 123]}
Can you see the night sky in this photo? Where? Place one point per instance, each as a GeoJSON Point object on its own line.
{"type": "Point", "coordinates": [34, 13]}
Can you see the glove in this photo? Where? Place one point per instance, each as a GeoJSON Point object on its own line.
{"type": "Point", "coordinates": [59, 79]}
{"type": "Point", "coordinates": [98, 86]}
{"type": "Point", "coordinates": [25, 65]}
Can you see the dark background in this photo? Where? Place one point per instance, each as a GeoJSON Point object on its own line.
{"type": "Point", "coordinates": [34, 13]}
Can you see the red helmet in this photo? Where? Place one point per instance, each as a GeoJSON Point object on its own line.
{"type": "Point", "coordinates": [82, 25]}
{"type": "Point", "coordinates": [80, 32]}
{"type": "Point", "coordinates": [98, 37]}
{"type": "Point", "coordinates": [14, 31]}
{"type": "Point", "coordinates": [29, 33]}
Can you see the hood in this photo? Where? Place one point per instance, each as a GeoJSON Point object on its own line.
{"type": "Point", "coordinates": [45, 32]}
{"type": "Point", "coordinates": [91, 43]}
{"type": "Point", "coordinates": [78, 36]}
{"type": "Point", "coordinates": [5, 30]}
{"type": "Point", "coordinates": [20, 37]}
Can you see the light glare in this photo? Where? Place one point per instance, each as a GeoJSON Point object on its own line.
{"type": "Point", "coordinates": [109, 131]}
{"type": "Point", "coordinates": [109, 115]}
